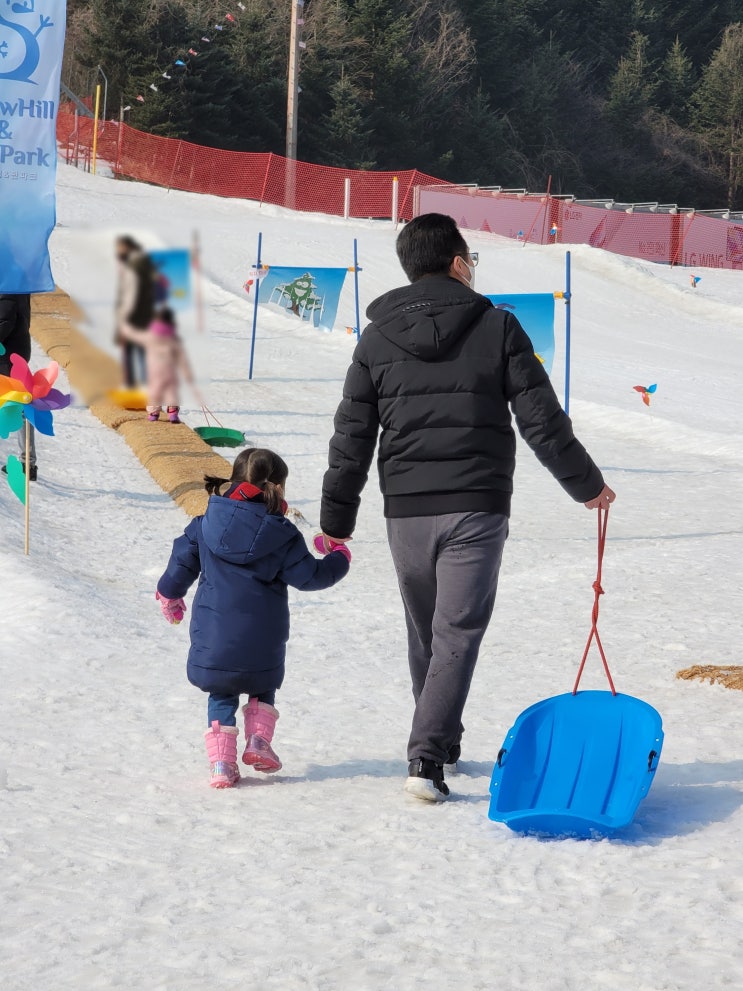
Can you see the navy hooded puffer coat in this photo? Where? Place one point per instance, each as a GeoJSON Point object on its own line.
{"type": "Point", "coordinates": [244, 558]}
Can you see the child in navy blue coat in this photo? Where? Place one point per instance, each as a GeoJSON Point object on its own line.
{"type": "Point", "coordinates": [244, 553]}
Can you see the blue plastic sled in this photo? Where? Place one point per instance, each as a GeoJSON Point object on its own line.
{"type": "Point", "coordinates": [576, 764]}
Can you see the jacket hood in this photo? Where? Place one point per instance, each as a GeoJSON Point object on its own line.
{"type": "Point", "coordinates": [243, 532]}
{"type": "Point", "coordinates": [427, 318]}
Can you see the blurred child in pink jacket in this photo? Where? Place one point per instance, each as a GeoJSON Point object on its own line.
{"type": "Point", "coordinates": [166, 358]}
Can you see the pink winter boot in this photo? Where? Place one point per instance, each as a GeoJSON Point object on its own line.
{"type": "Point", "coordinates": [221, 746]}
{"type": "Point", "coordinates": [260, 722]}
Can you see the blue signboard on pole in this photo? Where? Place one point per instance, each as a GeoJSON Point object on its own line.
{"type": "Point", "coordinates": [536, 314]}
{"type": "Point", "coordinates": [31, 44]}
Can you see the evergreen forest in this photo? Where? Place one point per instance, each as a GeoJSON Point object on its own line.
{"type": "Point", "coordinates": [639, 100]}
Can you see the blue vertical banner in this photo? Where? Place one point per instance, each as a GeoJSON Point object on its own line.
{"type": "Point", "coordinates": [31, 43]}
{"type": "Point", "coordinates": [536, 314]}
{"type": "Point", "coordinates": [173, 277]}
{"type": "Point", "coordinates": [312, 294]}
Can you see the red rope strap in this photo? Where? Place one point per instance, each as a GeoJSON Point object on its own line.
{"type": "Point", "coordinates": [603, 519]}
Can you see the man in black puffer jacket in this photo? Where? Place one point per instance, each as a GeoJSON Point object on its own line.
{"type": "Point", "coordinates": [437, 369]}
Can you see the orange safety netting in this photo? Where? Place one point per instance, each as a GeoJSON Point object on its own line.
{"type": "Point", "coordinates": [671, 236]}
{"type": "Point", "coordinates": [264, 177]}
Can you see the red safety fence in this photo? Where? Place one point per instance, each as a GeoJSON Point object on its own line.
{"type": "Point", "coordinates": [264, 177]}
{"type": "Point", "coordinates": [653, 232]}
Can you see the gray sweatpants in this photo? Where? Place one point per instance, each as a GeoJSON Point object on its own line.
{"type": "Point", "coordinates": [447, 567]}
{"type": "Point", "coordinates": [31, 446]}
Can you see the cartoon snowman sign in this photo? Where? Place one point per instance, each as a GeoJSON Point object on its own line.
{"type": "Point", "coordinates": [19, 46]}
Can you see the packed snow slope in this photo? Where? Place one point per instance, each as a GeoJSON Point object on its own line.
{"type": "Point", "coordinates": [122, 869]}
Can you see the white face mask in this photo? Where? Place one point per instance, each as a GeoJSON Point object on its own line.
{"type": "Point", "coordinates": [471, 270]}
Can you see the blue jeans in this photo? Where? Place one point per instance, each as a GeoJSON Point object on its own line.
{"type": "Point", "coordinates": [223, 707]}
{"type": "Point", "coordinates": [134, 362]}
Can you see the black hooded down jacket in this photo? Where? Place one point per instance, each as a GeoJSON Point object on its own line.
{"type": "Point", "coordinates": [437, 369]}
{"type": "Point", "coordinates": [15, 335]}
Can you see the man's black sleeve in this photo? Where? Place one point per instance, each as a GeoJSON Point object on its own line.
{"type": "Point", "coordinates": [351, 450]}
{"type": "Point", "coordinates": [8, 311]}
{"type": "Point", "coordinates": [542, 422]}
{"type": "Point", "coordinates": [15, 323]}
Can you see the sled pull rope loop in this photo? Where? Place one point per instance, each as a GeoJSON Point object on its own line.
{"type": "Point", "coordinates": [603, 519]}
{"type": "Point", "coordinates": [208, 413]}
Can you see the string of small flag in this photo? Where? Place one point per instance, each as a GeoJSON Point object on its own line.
{"type": "Point", "coordinates": [184, 61]}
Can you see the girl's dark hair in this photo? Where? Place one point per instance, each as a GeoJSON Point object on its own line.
{"type": "Point", "coordinates": [262, 468]}
{"type": "Point", "coordinates": [165, 314]}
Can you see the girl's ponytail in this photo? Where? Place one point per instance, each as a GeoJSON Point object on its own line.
{"type": "Point", "coordinates": [213, 483]}
{"type": "Point", "coordinates": [273, 498]}
{"type": "Point", "coordinates": [268, 472]}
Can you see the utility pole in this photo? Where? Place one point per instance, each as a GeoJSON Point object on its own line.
{"type": "Point", "coordinates": [292, 102]}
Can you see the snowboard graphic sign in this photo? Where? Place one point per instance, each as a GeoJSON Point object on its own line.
{"type": "Point", "coordinates": [31, 43]}
{"type": "Point", "coordinates": [312, 294]}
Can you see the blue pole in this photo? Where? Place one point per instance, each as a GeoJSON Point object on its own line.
{"type": "Point", "coordinates": [356, 285]}
{"type": "Point", "coordinates": [255, 307]}
{"type": "Point", "coordinates": [567, 331]}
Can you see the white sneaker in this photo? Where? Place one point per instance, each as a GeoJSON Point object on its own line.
{"type": "Point", "coordinates": [426, 781]}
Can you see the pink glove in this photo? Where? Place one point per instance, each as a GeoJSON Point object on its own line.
{"type": "Point", "coordinates": [342, 549]}
{"type": "Point", "coordinates": [326, 545]}
{"type": "Point", "coordinates": [173, 609]}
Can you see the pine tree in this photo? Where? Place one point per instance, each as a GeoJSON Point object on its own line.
{"type": "Point", "coordinates": [718, 110]}
{"type": "Point", "coordinates": [333, 117]}
{"type": "Point", "coordinates": [631, 88]}
{"type": "Point", "coordinates": [676, 83]}
{"type": "Point", "coordinates": [345, 136]}
{"type": "Point", "coordinates": [205, 111]}
{"type": "Point", "coordinates": [481, 151]}
{"type": "Point", "coordinates": [257, 53]}
{"type": "Point", "coordinates": [387, 78]}
{"type": "Point", "coordinates": [120, 39]}
{"type": "Point", "coordinates": [162, 112]}
{"type": "Point", "coordinates": [699, 24]}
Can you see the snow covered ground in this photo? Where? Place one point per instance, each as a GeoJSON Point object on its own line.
{"type": "Point", "coordinates": [122, 869]}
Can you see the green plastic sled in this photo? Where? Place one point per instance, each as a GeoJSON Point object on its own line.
{"type": "Point", "coordinates": [221, 436]}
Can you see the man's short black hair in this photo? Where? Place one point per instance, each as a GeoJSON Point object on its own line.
{"type": "Point", "coordinates": [428, 245]}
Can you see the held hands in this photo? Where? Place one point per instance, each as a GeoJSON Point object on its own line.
{"type": "Point", "coordinates": [603, 500]}
{"type": "Point", "coordinates": [172, 609]}
{"type": "Point", "coordinates": [327, 545]}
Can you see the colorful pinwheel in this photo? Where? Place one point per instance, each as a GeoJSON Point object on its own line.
{"type": "Point", "coordinates": [646, 391]}
{"type": "Point", "coordinates": [30, 397]}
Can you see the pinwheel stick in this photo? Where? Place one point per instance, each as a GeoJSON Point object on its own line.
{"type": "Point", "coordinates": [27, 428]}
{"type": "Point", "coordinates": [27, 466]}
{"type": "Point", "coordinates": [27, 401]}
